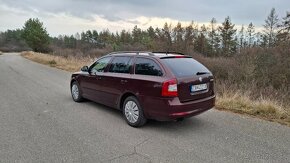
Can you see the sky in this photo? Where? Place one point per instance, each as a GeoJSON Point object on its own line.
{"type": "Point", "coordinates": [71, 16]}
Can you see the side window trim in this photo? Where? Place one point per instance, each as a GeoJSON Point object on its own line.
{"type": "Point", "coordinates": [131, 64]}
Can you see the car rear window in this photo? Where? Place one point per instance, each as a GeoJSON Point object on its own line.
{"type": "Point", "coordinates": [182, 67]}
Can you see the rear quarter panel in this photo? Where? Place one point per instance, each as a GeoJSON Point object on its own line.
{"type": "Point", "coordinates": [148, 91]}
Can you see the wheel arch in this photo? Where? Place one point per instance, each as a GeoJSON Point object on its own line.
{"type": "Point", "coordinates": [123, 98]}
{"type": "Point", "coordinates": [72, 80]}
{"type": "Point", "coordinates": [75, 80]}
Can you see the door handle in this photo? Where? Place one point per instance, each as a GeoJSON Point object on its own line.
{"type": "Point", "coordinates": [124, 81]}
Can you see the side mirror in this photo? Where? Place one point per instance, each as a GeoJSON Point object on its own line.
{"type": "Point", "coordinates": [85, 69]}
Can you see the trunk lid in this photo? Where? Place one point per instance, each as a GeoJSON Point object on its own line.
{"type": "Point", "coordinates": [194, 80]}
{"type": "Point", "coordinates": [187, 93]}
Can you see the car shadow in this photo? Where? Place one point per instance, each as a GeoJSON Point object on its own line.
{"type": "Point", "coordinates": [114, 112]}
{"type": "Point", "coordinates": [192, 123]}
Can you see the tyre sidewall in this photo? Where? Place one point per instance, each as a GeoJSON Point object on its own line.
{"type": "Point", "coordinates": [141, 119]}
{"type": "Point", "coordinates": [79, 99]}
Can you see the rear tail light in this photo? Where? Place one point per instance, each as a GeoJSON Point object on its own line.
{"type": "Point", "coordinates": [169, 88]}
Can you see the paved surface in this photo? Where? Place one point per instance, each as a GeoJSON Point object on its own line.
{"type": "Point", "coordinates": [39, 122]}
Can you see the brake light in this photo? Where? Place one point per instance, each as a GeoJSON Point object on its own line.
{"type": "Point", "coordinates": [169, 88]}
{"type": "Point", "coordinates": [179, 56]}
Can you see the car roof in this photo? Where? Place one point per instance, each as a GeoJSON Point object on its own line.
{"type": "Point", "coordinates": [147, 53]}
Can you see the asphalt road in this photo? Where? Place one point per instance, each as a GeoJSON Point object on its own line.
{"type": "Point", "coordinates": [39, 122]}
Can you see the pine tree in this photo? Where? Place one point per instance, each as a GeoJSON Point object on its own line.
{"type": "Point", "coordinates": [271, 27]}
{"type": "Point", "coordinates": [189, 37]}
{"type": "Point", "coordinates": [201, 44]}
{"type": "Point", "coordinates": [213, 38]}
{"type": "Point", "coordinates": [258, 38]}
{"type": "Point", "coordinates": [104, 38]}
{"type": "Point", "coordinates": [83, 37]}
{"type": "Point", "coordinates": [286, 22]}
{"type": "Point", "coordinates": [36, 35]}
{"type": "Point", "coordinates": [242, 42]}
{"type": "Point", "coordinates": [137, 35]}
{"type": "Point", "coordinates": [251, 34]}
{"type": "Point", "coordinates": [125, 37]}
{"type": "Point", "coordinates": [166, 36]}
{"type": "Point", "coordinates": [178, 34]}
{"type": "Point", "coordinates": [89, 36]}
{"type": "Point", "coordinates": [284, 32]}
{"type": "Point", "coordinates": [95, 35]}
{"type": "Point", "coordinates": [227, 33]}
{"type": "Point", "coordinates": [151, 32]}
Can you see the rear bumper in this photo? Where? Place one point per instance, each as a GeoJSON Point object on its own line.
{"type": "Point", "coordinates": [172, 109]}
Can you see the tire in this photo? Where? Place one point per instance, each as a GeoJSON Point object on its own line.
{"type": "Point", "coordinates": [133, 112]}
{"type": "Point", "coordinates": [76, 92]}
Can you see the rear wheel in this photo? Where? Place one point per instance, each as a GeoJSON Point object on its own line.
{"type": "Point", "coordinates": [133, 113]}
{"type": "Point", "coordinates": [75, 92]}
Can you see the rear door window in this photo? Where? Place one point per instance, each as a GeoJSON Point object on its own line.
{"type": "Point", "coordinates": [183, 67]}
{"type": "Point", "coordinates": [144, 66]}
{"type": "Point", "coordinates": [121, 65]}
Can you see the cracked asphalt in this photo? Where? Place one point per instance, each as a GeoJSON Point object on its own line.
{"type": "Point", "coordinates": [39, 122]}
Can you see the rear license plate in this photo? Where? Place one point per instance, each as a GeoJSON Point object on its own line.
{"type": "Point", "coordinates": [199, 87]}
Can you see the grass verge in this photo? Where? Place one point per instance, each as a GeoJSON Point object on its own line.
{"type": "Point", "coordinates": [71, 64]}
{"type": "Point", "coordinates": [240, 102]}
{"type": "Point", "coordinates": [233, 100]}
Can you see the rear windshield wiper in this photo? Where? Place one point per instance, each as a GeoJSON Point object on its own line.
{"type": "Point", "coordinates": [201, 73]}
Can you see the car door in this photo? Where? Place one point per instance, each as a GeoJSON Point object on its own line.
{"type": "Point", "coordinates": [116, 80]}
{"type": "Point", "coordinates": [92, 83]}
{"type": "Point", "coordinates": [147, 83]}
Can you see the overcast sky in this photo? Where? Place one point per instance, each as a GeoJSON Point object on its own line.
{"type": "Point", "coordinates": [71, 16]}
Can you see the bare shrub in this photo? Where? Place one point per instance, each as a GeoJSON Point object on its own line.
{"type": "Point", "coordinates": [254, 82]}
{"type": "Point", "coordinates": [52, 62]}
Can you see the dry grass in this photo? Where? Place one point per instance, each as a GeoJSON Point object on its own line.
{"type": "Point", "coordinates": [229, 97]}
{"type": "Point", "coordinates": [240, 102]}
{"type": "Point", "coordinates": [255, 83]}
{"type": "Point", "coordinates": [71, 64]}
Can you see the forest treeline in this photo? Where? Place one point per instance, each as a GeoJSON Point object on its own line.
{"type": "Point", "coordinates": [210, 40]}
{"type": "Point", "coordinates": [254, 56]}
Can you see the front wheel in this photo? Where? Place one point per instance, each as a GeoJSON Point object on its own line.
{"type": "Point", "coordinates": [133, 113]}
{"type": "Point", "coordinates": [75, 92]}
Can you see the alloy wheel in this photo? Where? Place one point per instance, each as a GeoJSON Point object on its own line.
{"type": "Point", "coordinates": [131, 111]}
{"type": "Point", "coordinates": [75, 91]}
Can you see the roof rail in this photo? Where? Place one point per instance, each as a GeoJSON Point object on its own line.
{"type": "Point", "coordinates": [136, 52]}
{"type": "Point", "coordinates": [169, 52]}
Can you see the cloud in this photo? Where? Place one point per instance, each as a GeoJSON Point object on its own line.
{"type": "Point", "coordinates": [116, 14]}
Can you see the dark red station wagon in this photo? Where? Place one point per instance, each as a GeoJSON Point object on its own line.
{"type": "Point", "coordinates": [147, 85]}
